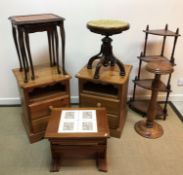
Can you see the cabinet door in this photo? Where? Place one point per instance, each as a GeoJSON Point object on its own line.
{"type": "Point", "coordinates": [41, 109]}
{"type": "Point", "coordinates": [112, 105]}
{"type": "Point", "coordinates": [40, 124]}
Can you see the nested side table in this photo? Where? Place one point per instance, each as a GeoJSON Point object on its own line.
{"type": "Point", "coordinates": [78, 144]}
{"type": "Point", "coordinates": [23, 25]}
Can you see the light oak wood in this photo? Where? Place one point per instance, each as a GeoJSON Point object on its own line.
{"type": "Point", "coordinates": [107, 74]}
{"type": "Point", "coordinates": [109, 91]}
{"type": "Point", "coordinates": [48, 89]}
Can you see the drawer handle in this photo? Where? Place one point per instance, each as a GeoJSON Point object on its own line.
{"type": "Point", "coordinates": [99, 104]}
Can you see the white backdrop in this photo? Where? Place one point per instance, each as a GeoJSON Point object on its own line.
{"type": "Point", "coordinates": [81, 44]}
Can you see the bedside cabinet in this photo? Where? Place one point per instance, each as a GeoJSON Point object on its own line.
{"type": "Point", "coordinates": [48, 89]}
{"type": "Point", "coordinates": [109, 91]}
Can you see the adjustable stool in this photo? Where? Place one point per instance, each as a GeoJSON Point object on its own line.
{"type": "Point", "coordinates": [106, 56]}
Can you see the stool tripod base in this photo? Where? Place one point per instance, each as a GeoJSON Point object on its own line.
{"type": "Point", "coordinates": [106, 58]}
{"type": "Point", "coordinates": [154, 132]}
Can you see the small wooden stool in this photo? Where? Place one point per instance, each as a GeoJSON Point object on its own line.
{"type": "Point", "coordinates": [106, 56]}
{"type": "Point", "coordinates": [82, 144]}
{"type": "Point", "coordinates": [149, 128]}
{"type": "Point", "coordinates": [23, 25]}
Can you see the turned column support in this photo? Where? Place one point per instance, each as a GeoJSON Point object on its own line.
{"type": "Point", "coordinates": [149, 128]}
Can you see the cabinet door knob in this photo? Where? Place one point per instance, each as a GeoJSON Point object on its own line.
{"type": "Point", "coordinates": [99, 104]}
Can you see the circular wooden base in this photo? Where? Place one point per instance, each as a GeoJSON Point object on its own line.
{"type": "Point", "coordinates": [151, 133]}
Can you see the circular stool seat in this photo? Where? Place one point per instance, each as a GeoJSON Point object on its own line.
{"type": "Point", "coordinates": [150, 128]}
{"type": "Point", "coordinates": [107, 27]}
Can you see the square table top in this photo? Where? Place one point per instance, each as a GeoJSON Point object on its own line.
{"type": "Point", "coordinates": [35, 18]}
{"type": "Point", "coordinates": [53, 124]}
{"type": "Point", "coordinates": [43, 75]}
{"type": "Point", "coordinates": [106, 74]}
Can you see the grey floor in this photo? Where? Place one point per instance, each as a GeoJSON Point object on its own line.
{"type": "Point", "coordinates": [129, 155]}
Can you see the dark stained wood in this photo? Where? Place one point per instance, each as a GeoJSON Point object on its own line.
{"type": "Point", "coordinates": [160, 67]}
{"type": "Point", "coordinates": [23, 25]}
{"type": "Point", "coordinates": [153, 58]}
{"type": "Point", "coordinates": [78, 144]}
{"type": "Point", "coordinates": [109, 91]}
{"type": "Point", "coordinates": [141, 106]}
{"type": "Point", "coordinates": [35, 18]}
{"type": "Point", "coordinates": [106, 56]}
{"type": "Point", "coordinates": [162, 32]}
{"type": "Point", "coordinates": [144, 57]}
{"type": "Point", "coordinates": [147, 84]}
{"type": "Point", "coordinates": [48, 89]}
{"type": "Point", "coordinates": [150, 128]}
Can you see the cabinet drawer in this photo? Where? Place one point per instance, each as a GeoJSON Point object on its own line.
{"type": "Point", "coordinates": [113, 121]}
{"type": "Point", "coordinates": [40, 124]}
{"type": "Point", "coordinates": [40, 109]}
{"type": "Point", "coordinates": [111, 105]}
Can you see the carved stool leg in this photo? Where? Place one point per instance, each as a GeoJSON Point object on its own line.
{"type": "Point", "coordinates": [100, 63]}
{"type": "Point", "coordinates": [121, 67]}
{"type": "Point", "coordinates": [92, 59]}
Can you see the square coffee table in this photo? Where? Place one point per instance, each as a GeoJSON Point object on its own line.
{"type": "Point", "coordinates": [78, 144]}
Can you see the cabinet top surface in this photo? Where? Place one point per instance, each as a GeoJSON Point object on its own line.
{"type": "Point", "coordinates": [107, 74]}
{"type": "Point", "coordinates": [43, 75]}
{"type": "Point", "coordinates": [36, 18]}
{"type": "Point", "coordinates": [53, 124]}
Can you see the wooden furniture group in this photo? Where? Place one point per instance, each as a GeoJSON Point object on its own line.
{"type": "Point", "coordinates": [106, 56]}
{"type": "Point", "coordinates": [78, 144]}
{"type": "Point", "coordinates": [22, 26]}
{"type": "Point", "coordinates": [46, 86]}
{"type": "Point", "coordinates": [141, 106]}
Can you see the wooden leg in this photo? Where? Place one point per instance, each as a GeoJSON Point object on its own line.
{"type": "Point", "coordinates": [101, 161]}
{"type": "Point", "coordinates": [62, 33]}
{"type": "Point", "coordinates": [92, 59]}
{"type": "Point", "coordinates": [56, 50]}
{"type": "Point", "coordinates": [27, 46]}
{"type": "Point", "coordinates": [121, 67]}
{"type": "Point", "coordinates": [55, 164]}
{"type": "Point", "coordinates": [53, 47]}
{"type": "Point", "coordinates": [17, 47]}
{"type": "Point", "coordinates": [50, 47]}
{"type": "Point", "coordinates": [23, 55]}
{"type": "Point", "coordinates": [99, 64]}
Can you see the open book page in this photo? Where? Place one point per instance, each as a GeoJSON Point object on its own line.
{"type": "Point", "coordinates": [72, 121]}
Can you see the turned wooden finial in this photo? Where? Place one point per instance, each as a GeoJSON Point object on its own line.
{"type": "Point", "coordinates": [166, 27]}
{"type": "Point", "coordinates": [147, 27]}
